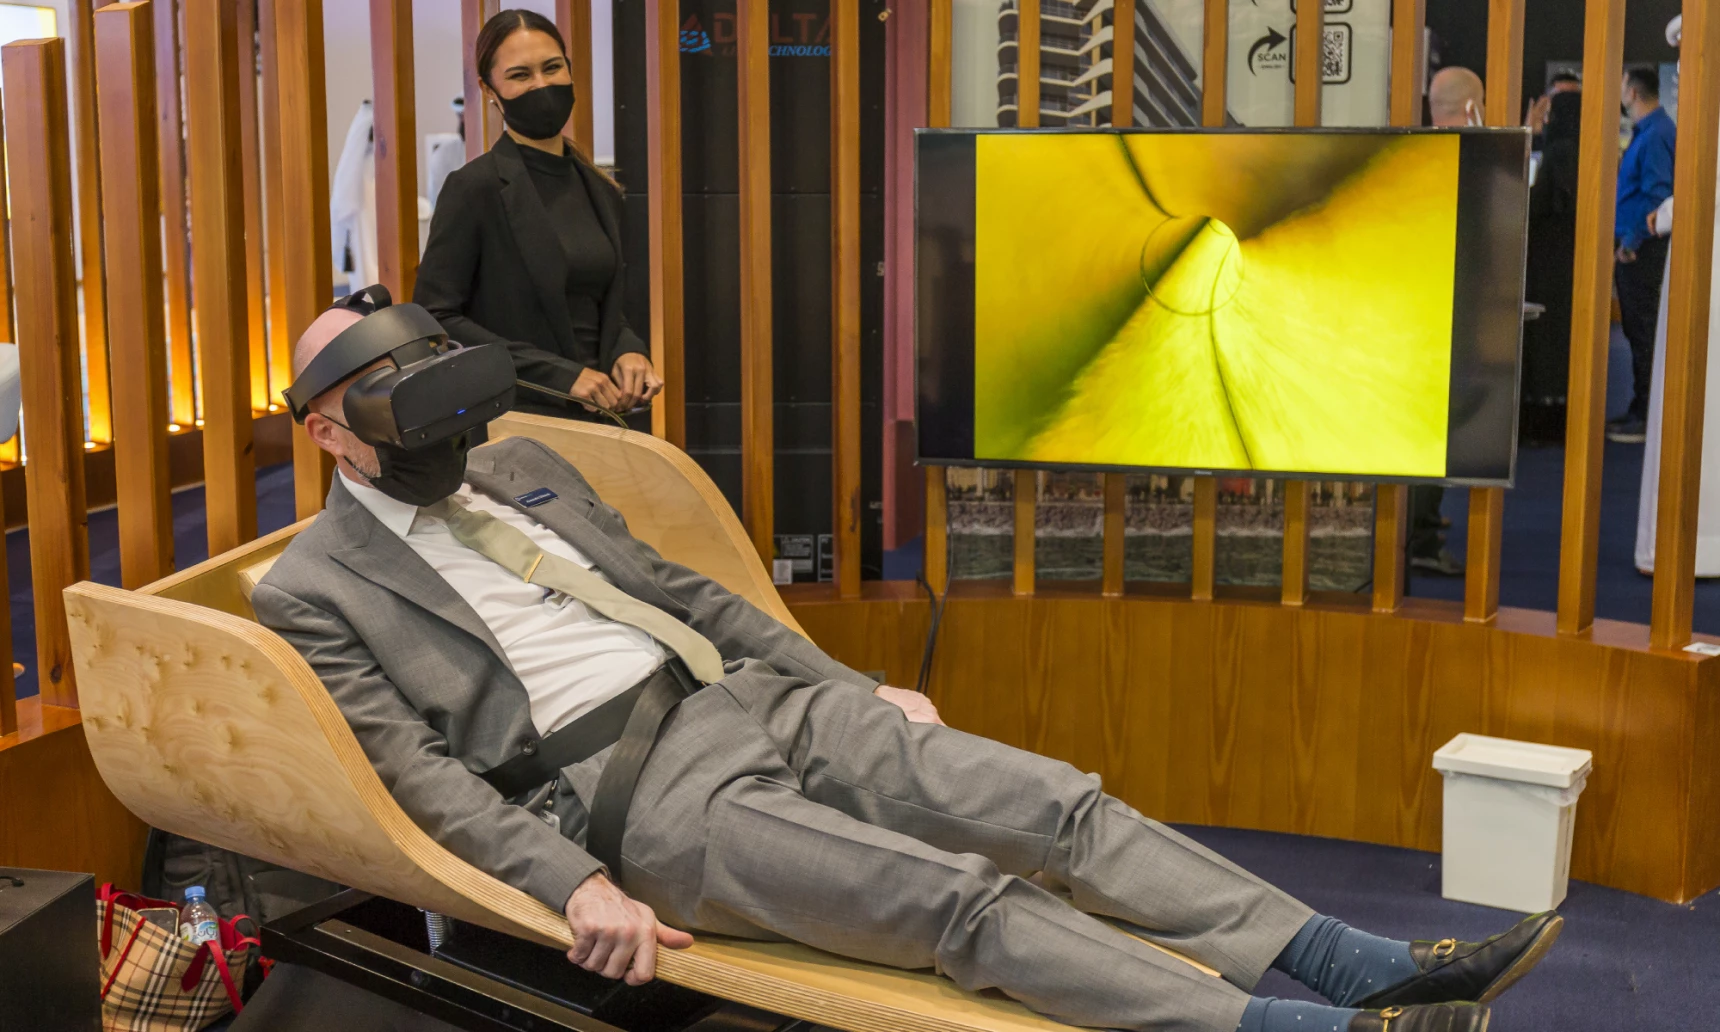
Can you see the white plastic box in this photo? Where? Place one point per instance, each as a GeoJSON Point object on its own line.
{"type": "Point", "coordinates": [1509, 811]}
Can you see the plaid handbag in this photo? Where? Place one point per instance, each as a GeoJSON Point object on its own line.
{"type": "Point", "coordinates": [154, 981]}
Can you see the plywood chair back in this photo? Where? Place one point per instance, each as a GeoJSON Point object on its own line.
{"type": "Point", "coordinates": [206, 724]}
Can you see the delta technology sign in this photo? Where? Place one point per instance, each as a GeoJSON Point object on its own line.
{"type": "Point", "coordinates": [800, 34]}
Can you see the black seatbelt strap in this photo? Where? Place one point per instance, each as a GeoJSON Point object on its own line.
{"type": "Point", "coordinates": [664, 690]}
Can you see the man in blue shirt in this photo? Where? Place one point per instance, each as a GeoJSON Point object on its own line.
{"type": "Point", "coordinates": [1644, 180]}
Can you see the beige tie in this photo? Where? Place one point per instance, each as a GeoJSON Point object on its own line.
{"type": "Point", "coordinates": [513, 550]}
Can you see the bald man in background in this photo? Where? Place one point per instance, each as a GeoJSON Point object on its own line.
{"type": "Point", "coordinates": [1456, 98]}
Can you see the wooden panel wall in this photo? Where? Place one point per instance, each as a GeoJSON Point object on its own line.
{"type": "Point", "coordinates": [663, 201]}
{"type": "Point", "coordinates": [218, 269]}
{"type": "Point", "coordinates": [758, 421]}
{"type": "Point", "coordinates": [1317, 720]}
{"type": "Point", "coordinates": [301, 122]}
{"type": "Point", "coordinates": [1591, 311]}
{"type": "Point", "coordinates": [39, 142]}
{"type": "Point", "coordinates": [846, 504]}
{"type": "Point", "coordinates": [391, 57]}
{"type": "Point", "coordinates": [125, 91]}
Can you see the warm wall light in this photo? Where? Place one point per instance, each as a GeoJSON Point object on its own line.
{"type": "Point", "coordinates": [200, 422]}
{"type": "Point", "coordinates": [173, 428]}
{"type": "Point", "coordinates": [89, 445]}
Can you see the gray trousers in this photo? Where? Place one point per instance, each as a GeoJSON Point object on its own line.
{"type": "Point", "coordinates": [774, 809]}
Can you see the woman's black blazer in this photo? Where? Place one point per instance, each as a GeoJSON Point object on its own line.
{"type": "Point", "coordinates": [494, 272]}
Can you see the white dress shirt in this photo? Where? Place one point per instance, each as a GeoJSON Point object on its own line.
{"type": "Point", "coordinates": [569, 658]}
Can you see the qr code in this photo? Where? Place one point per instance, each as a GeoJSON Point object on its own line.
{"type": "Point", "coordinates": [1334, 54]}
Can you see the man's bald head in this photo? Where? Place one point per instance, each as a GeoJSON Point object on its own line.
{"type": "Point", "coordinates": [317, 335]}
{"type": "Point", "coordinates": [1456, 97]}
{"type": "Point", "coordinates": [329, 435]}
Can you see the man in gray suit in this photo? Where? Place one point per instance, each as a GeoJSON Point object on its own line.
{"type": "Point", "coordinates": [792, 798]}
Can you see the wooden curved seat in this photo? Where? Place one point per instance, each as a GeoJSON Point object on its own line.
{"type": "Point", "coordinates": [206, 724]}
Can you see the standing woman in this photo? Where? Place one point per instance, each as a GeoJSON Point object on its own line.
{"type": "Point", "coordinates": [525, 244]}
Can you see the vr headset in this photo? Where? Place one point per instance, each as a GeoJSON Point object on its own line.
{"type": "Point", "coordinates": [431, 390]}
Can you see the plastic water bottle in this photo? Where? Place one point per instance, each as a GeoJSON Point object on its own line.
{"type": "Point", "coordinates": [198, 922]}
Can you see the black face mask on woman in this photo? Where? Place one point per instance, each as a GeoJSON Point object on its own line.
{"type": "Point", "coordinates": [541, 113]}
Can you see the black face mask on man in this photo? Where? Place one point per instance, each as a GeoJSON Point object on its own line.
{"type": "Point", "coordinates": [420, 477]}
{"type": "Point", "coordinates": [541, 113]}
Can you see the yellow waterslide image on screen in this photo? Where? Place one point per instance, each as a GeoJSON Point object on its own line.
{"type": "Point", "coordinates": [1237, 301]}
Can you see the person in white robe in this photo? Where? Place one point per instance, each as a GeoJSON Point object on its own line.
{"type": "Point", "coordinates": [1708, 503]}
{"type": "Point", "coordinates": [352, 203]}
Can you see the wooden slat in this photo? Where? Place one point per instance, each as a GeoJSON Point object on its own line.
{"type": "Point", "coordinates": [1486, 540]}
{"type": "Point", "coordinates": [663, 204]}
{"type": "Point", "coordinates": [218, 270]}
{"type": "Point", "coordinates": [175, 226]}
{"type": "Point", "coordinates": [41, 182]}
{"type": "Point", "coordinates": [481, 125]}
{"type": "Point", "coordinates": [251, 177]}
{"type": "Point", "coordinates": [573, 17]}
{"type": "Point", "coordinates": [758, 423]}
{"type": "Point", "coordinates": [9, 452]}
{"type": "Point", "coordinates": [92, 276]}
{"type": "Point", "coordinates": [1123, 63]}
{"type": "Point", "coordinates": [1688, 302]}
{"type": "Point", "coordinates": [1487, 504]}
{"type": "Point", "coordinates": [396, 145]}
{"type": "Point", "coordinates": [1026, 505]}
{"type": "Point", "coordinates": [1215, 58]}
{"type": "Point", "coordinates": [1111, 575]}
{"type": "Point", "coordinates": [301, 122]}
{"type": "Point", "coordinates": [1296, 505]}
{"type": "Point", "coordinates": [846, 503]}
{"type": "Point", "coordinates": [280, 350]}
{"type": "Point", "coordinates": [1203, 574]}
{"type": "Point", "coordinates": [1391, 501]}
{"type": "Point", "coordinates": [131, 201]}
{"type": "Point", "coordinates": [940, 33]}
{"type": "Point", "coordinates": [1027, 63]}
{"type": "Point", "coordinates": [1391, 533]}
{"type": "Point", "coordinates": [1310, 29]}
{"type": "Point", "coordinates": [1591, 313]}
{"type": "Point", "coordinates": [935, 560]}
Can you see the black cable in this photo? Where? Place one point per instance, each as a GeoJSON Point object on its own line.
{"type": "Point", "coordinates": [552, 392]}
{"type": "Point", "coordinates": [924, 680]}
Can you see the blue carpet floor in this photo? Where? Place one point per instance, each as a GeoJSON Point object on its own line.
{"type": "Point", "coordinates": [1624, 962]}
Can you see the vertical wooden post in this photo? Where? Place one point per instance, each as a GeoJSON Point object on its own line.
{"type": "Point", "coordinates": [391, 57]}
{"type": "Point", "coordinates": [251, 178]}
{"type": "Point", "coordinates": [301, 123]}
{"type": "Point", "coordinates": [1296, 506]}
{"type": "Point", "coordinates": [1688, 302]}
{"type": "Point", "coordinates": [1310, 76]}
{"type": "Point", "coordinates": [1391, 501]}
{"type": "Point", "coordinates": [1026, 508]}
{"type": "Point", "coordinates": [1027, 63]}
{"type": "Point", "coordinates": [1111, 576]}
{"type": "Point", "coordinates": [218, 270]}
{"type": "Point", "coordinates": [1487, 504]}
{"type": "Point", "coordinates": [935, 558]}
{"type": "Point", "coordinates": [845, 503]}
{"type": "Point", "coordinates": [280, 350]}
{"type": "Point", "coordinates": [573, 18]}
{"type": "Point", "coordinates": [940, 33]}
{"type": "Point", "coordinates": [174, 226]}
{"type": "Point", "coordinates": [1115, 485]}
{"type": "Point", "coordinates": [663, 204]}
{"type": "Point", "coordinates": [479, 130]}
{"type": "Point", "coordinates": [81, 39]}
{"type": "Point", "coordinates": [35, 101]}
{"type": "Point", "coordinates": [758, 422]}
{"type": "Point", "coordinates": [125, 84]}
{"type": "Point", "coordinates": [8, 450]}
{"type": "Point", "coordinates": [1215, 59]}
{"type": "Point", "coordinates": [1203, 578]}
{"type": "Point", "coordinates": [1591, 314]}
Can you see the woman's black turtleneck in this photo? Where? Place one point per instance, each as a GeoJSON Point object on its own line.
{"type": "Point", "coordinates": [589, 253]}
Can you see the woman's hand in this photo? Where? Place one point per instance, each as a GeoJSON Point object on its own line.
{"type": "Point", "coordinates": [594, 388]}
{"type": "Point", "coordinates": [636, 380]}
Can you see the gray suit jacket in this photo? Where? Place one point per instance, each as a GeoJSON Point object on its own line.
{"type": "Point", "coordinates": [423, 682]}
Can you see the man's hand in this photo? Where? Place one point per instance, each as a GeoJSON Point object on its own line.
{"type": "Point", "coordinates": [614, 935]}
{"type": "Point", "coordinates": [636, 380]}
{"type": "Point", "coordinates": [1625, 255]}
{"type": "Point", "coordinates": [597, 389]}
{"type": "Point", "coordinates": [918, 708]}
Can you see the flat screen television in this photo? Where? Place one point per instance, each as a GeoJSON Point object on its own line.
{"type": "Point", "coordinates": [1338, 304]}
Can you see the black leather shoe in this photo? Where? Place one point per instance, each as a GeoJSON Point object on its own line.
{"type": "Point", "coordinates": [1472, 971]}
{"type": "Point", "coordinates": [1427, 1017]}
